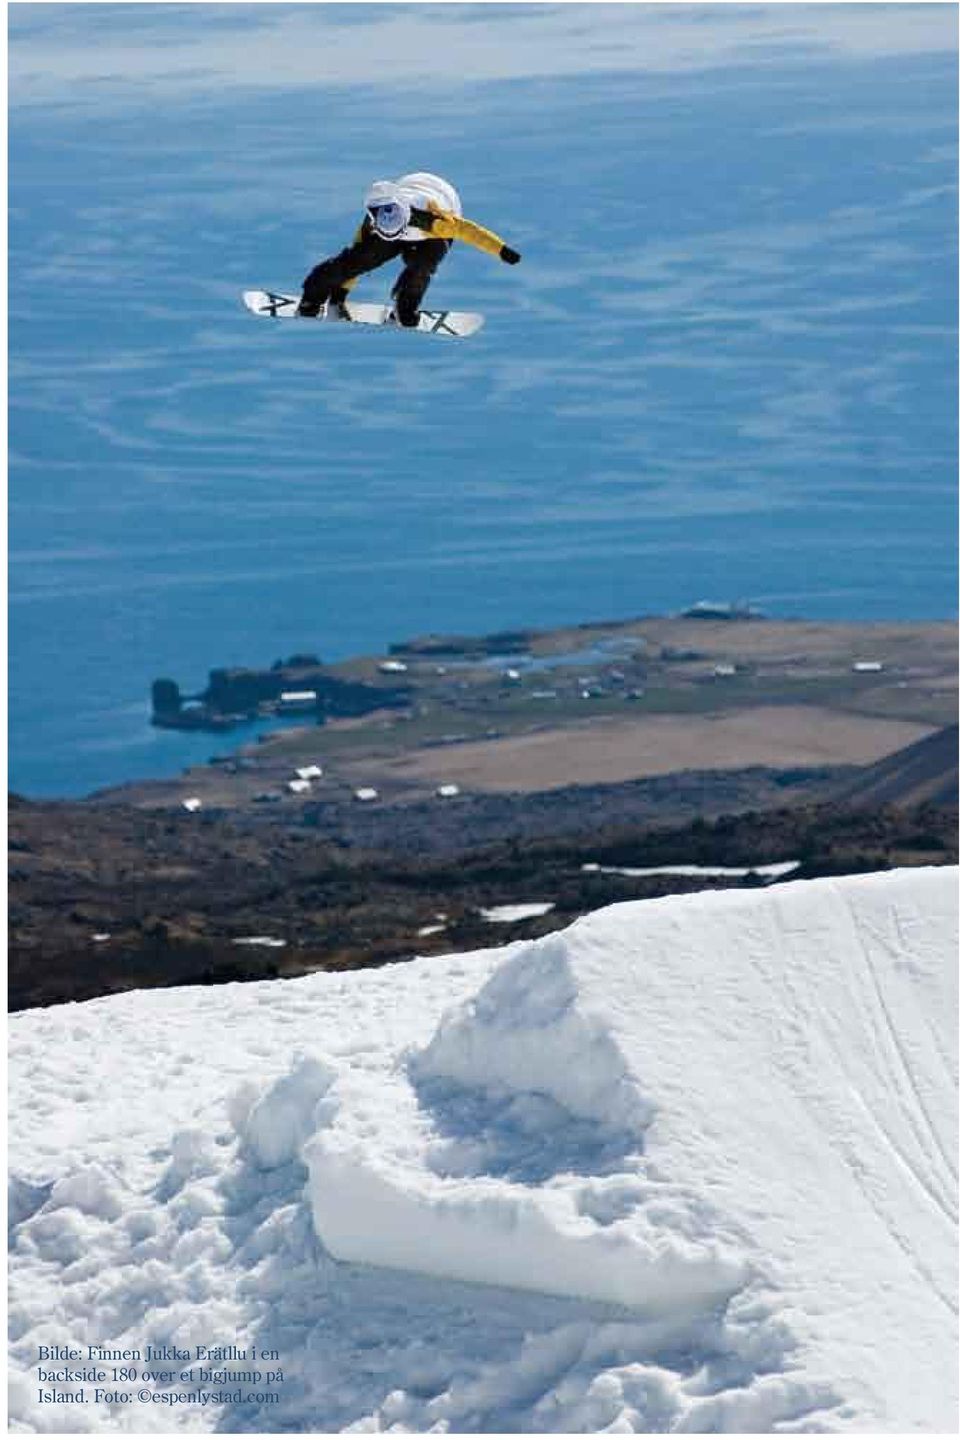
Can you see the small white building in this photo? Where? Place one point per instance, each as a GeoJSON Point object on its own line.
{"type": "Point", "coordinates": [297, 700]}
{"type": "Point", "coordinates": [392, 667]}
{"type": "Point", "coordinates": [867, 667]}
{"type": "Point", "coordinates": [299, 787]}
{"type": "Point", "coordinates": [193, 803]}
{"type": "Point", "coordinates": [366, 793]}
{"type": "Point", "coordinates": [309, 772]}
{"type": "Point", "coordinates": [446, 792]}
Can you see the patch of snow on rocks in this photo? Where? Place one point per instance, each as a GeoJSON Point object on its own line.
{"type": "Point", "coordinates": [510, 914]}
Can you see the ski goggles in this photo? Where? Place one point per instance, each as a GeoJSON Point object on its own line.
{"type": "Point", "coordinates": [389, 219]}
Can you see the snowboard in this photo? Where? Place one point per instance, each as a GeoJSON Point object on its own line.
{"type": "Point", "coordinates": [458, 323]}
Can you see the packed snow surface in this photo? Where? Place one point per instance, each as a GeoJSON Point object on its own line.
{"type": "Point", "coordinates": [689, 1165]}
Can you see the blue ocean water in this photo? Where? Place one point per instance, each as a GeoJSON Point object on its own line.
{"type": "Point", "coordinates": [726, 367]}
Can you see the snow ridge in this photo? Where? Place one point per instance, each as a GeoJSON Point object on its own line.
{"type": "Point", "coordinates": [509, 1149]}
{"type": "Point", "coordinates": [528, 1032]}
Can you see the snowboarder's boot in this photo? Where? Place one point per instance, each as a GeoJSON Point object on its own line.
{"type": "Point", "coordinates": [335, 304]}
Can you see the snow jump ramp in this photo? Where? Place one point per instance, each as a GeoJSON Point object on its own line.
{"type": "Point", "coordinates": [735, 1104]}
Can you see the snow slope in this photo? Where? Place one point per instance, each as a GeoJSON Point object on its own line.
{"type": "Point", "coordinates": [689, 1165]}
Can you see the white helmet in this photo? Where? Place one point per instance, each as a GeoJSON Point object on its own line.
{"type": "Point", "coordinates": [388, 210]}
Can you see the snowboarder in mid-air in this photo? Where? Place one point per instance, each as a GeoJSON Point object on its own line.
{"type": "Point", "coordinates": [416, 218]}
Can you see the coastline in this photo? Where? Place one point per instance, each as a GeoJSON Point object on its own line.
{"type": "Point", "coordinates": [591, 704]}
{"type": "Point", "coordinates": [491, 811]}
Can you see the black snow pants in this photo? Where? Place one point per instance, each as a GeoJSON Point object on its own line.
{"type": "Point", "coordinates": [327, 280]}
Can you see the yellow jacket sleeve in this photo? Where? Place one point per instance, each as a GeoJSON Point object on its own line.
{"type": "Point", "coordinates": [455, 227]}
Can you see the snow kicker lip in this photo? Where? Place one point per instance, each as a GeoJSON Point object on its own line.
{"type": "Point", "coordinates": [821, 988]}
{"type": "Point", "coordinates": [511, 1155]}
{"type": "Point", "coordinates": [506, 1236]}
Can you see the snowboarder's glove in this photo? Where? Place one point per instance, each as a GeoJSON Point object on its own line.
{"type": "Point", "coordinates": [510, 257]}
